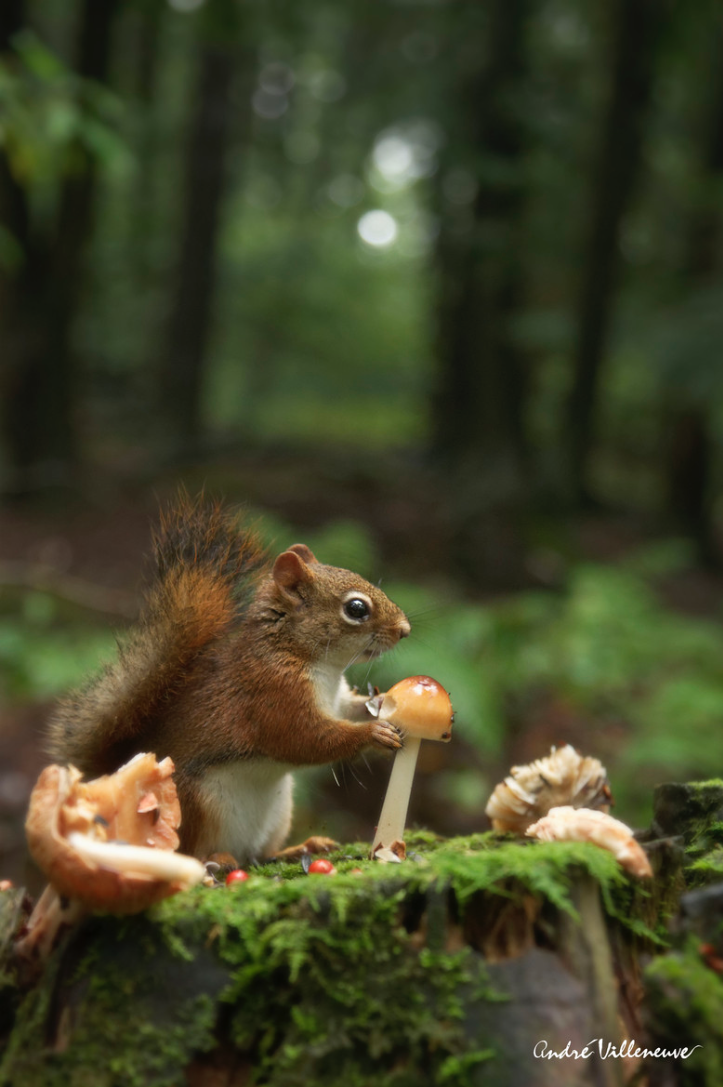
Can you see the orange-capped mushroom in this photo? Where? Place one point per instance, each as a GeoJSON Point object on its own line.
{"type": "Point", "coordinates": [421, 708]}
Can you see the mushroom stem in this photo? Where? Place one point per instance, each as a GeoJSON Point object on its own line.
{"type": "Point", "coordinates": [49, 915]}
{"type": "Point", "coordinates": [399, 790]}
{"type": "Point", "coordinates": [421, 709]}
{"type": "Point", "coordinates": [139, 859]}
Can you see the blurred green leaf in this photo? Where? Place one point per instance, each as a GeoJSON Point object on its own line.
{"type": "Point", "coordinates": [49, 114]}
{"type": "Point", "coordinates": [41, 659]}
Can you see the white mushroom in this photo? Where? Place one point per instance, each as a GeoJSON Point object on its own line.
{"type": "Point", "coordinates": [563, 777]}
{"type": "Point", "coordinates": [421, 708]}
{"type": "Point", "coordinates": [566, 824]}
{"type": "Point", "coordinates": [134, 861]}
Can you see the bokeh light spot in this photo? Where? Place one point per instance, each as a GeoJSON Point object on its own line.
{"type": "Point", "coordinates": [378, 228]}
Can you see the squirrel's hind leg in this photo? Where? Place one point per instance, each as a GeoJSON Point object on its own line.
{"type": "Point", "coordinates": [315, 844]}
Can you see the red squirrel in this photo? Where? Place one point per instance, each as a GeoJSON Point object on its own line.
{"type": "Point", "coordinates": [236, 670]}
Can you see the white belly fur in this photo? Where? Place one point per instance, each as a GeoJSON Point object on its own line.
{"type": "Point", "coordinates": [249, 804]}
{"type": "Point", "coordinates": [330, 688]}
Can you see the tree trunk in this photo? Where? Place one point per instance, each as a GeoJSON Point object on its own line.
{"type": "Point", "coordinates": [74, 229]}
{"type": "Point", "coordinates": [617, 162]}
{"type": "Point", "coordinates": [45, 292]}
{"type": "Point", "coordinates": [479, 399]}
{"type": "Point", "coordinates": [688, 441]}
{"type": "Point", "coordinates": [17, 273]}
{"type": "Point", "coordinates": [149, 26]}
{"type": "Point", "coordinates": [205, 173]}
{"type": "Point", "coordinates": [688, 455]}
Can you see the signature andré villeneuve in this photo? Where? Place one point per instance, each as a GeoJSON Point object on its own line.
{"type": "Point", "coordinates": [606, 1050]}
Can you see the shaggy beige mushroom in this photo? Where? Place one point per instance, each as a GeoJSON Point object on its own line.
{"type": "Point", "coordinates": [566, 824]}
{"type": "Point", "coordinates": [564, 777]}
{"type": "Point", "coordinates": [106, 844]}
{"type": "Point", "coordinates": [421, 708]}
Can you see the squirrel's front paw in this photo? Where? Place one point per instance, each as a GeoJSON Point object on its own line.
{"type": "Point", "coordinates": [386, 735]}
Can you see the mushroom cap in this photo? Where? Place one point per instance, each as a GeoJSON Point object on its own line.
{"type": "Point", "coordinates": [137, 805]}
{"type": "Point", "coordinates": [568, 824]}
{"type": "Point", "coordinates": [421, 707]}
{"type": "Point", "coordinates": [564, 777]}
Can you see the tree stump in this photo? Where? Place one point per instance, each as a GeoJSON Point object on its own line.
{"type": "Point", "coordinates": [470, 963]}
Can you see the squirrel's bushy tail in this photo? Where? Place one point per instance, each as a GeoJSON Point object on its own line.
{"type": "Point", "coordinates": [205, 572]}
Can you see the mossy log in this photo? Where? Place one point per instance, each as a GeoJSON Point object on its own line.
{"type": "Point", "coordinates": [683, 988]}
{"type": "Point", "coordinates": [455, 967]}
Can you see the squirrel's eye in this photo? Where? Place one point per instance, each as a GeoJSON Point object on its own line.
{"type": "Point", "coordinates": [357, 610]}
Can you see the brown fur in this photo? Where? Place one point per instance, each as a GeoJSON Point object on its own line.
{"type": "Point", "coordinates": [193, 601]}
{"type": "Point", "coordinates": [220, 665]}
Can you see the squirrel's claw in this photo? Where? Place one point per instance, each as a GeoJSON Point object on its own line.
{"type": "Point", "coordinates": [387, 735]}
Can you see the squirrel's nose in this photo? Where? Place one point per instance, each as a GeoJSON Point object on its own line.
{"type": "Point", "coordinates": [404, 628]}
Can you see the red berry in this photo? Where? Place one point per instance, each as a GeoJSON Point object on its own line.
{"type": "Point", "coordinates": [237, 876]}
{"type": "Point", "coordinates": [322, 867]}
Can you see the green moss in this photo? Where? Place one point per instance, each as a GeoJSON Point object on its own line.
{"type": "Point", "coordinates": [705, 836]}
{"type": "Point", "coordinates": [329, 980]}
{"type": "Point", "coordinates": [693, 810]}
{"type": "Point", "coordinates": [685, 1008]}
{"type": "Point", "coordinates": [474, 863]}
{"type": "Point", "coordinates": [130, 1013]}
{"type": "Point", "coordinates": [704, 788]}
{"type": "Point", "coordinates": [706, 869]}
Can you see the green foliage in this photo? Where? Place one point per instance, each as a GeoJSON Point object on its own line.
{"type": "Point", "coordinates": [50, 117]}
{"type": "Point", "coordinates": [318, 337]}
{"type": "Point", "coordinates": [43, 653]}
{"type": "Point", "coordinates": [345, 544]}
{"type": "Point", "coordinates": [349, 359]}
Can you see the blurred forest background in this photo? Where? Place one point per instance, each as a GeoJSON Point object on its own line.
{"type": "Point", "coordinates": [435, 285]}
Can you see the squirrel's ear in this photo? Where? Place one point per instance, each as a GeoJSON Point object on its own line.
{"type": "Point", "coordinates": [304, 552]}
{"type": "Point", "coordinates": [290, 573]}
